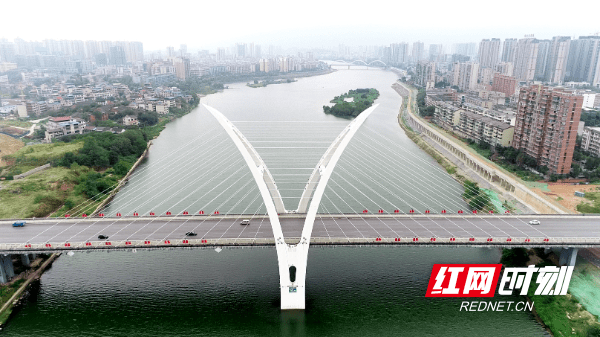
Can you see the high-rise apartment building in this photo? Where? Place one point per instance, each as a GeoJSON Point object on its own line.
{"type": "Point", "coordinates": [465, 75]}
{"type": "Point", "coordinates": [240, 50]}
{"type": "Point", "coordinates": [257, 51]}
{"type": "Point", "coordinates": [399, 53]}
{"type": "Point", "coordinates": [7, 52]}
{"type": "Point", "coordinates": [425, 74]}
{"type": "Point", "coordinates": [220, 54]}
{"type": "Point", "coordinates": [170, 51]}
{"type": "Point", "coordinates": [557, 59]}
{"type": "Point", "coordinates": [505, 68]}
{"type": "Point", "coordinates": [583, 64]}
{"type": "Point", "coordinates": [91, 49]}
{"type": "Point", "coordinates": [435, 50]}
{"type": "Point", "coordinates": [508, 50]}
{"type": "Point", "coordinates": [418, 50]}
{"type": "Point", "coordinates": [546, 125]}
{"type": "Point", "coordinates": [117, 55]}
{"type": "Point", "coordinates": [489, 51]}
{"type": "Point", "coordinates": [468, 49]}
{"type": "Point", "coordinates": [526, 58]}
{"type": "Point", "coordinates": [542, 62]}
{"type": "Point", "coordinates": [182, 68]}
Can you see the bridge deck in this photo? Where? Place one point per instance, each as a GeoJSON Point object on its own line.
{"type": "Point", "coordinates": [328, 229]}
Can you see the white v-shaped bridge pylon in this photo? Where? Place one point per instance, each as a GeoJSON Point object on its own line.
{"type": "Point", "coordinates": [292, 258]}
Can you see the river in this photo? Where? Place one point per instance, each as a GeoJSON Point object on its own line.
{"type": "Point", "coordinates": [193, 166]}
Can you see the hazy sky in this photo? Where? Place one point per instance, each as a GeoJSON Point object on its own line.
{"type": "Point", "coordinates": [210, 24]}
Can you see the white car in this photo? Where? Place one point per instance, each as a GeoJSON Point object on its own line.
{"type": "Point", "coordinates": [534, 222]}
{"type": "Point", "coordinates": [245, 222]}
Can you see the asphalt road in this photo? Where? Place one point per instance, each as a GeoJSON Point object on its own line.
{"type": "Point", "coordinates": [351, 226]}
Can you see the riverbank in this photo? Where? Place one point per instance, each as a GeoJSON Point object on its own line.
{"type": "Point", "coordinates": [566, 315]}
{"type": "Point", "coordinates": [14, 291]}
{"type": "Point", "coordinates": [483, 199]}
{"type": "Point", "coordinates": [560, 315]}
{"type": "Point", "coordinates": [123, 180]}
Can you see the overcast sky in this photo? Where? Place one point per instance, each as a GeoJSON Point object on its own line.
{"type": "Point", "coordinates": [210, 24]}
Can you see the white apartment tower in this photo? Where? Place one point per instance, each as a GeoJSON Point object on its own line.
{"type": "Point", "coordinates": [489, 51]}
{"type": "Point", "coordinates": [526, 58]}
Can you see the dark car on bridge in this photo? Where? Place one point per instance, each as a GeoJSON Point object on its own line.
{"type": "Point", "coordinates": [102, 237]}
{"type": "Point", "coordinates": [191, 234]}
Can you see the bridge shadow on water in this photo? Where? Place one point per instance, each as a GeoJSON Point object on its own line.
{"type": "Point", "coordinates": [365, 291]}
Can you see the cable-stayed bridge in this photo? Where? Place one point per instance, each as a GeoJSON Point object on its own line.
{"type": "Point", "coordinates": [381, 194]}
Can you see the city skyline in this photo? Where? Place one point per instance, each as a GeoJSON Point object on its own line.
{"type": "Point", "coordinates": [313, 25]}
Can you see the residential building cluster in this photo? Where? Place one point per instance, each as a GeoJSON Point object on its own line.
{"type": "Point", "coordinates": [544, 125]}
{"type": "Point", "coordinates": [52, 59]}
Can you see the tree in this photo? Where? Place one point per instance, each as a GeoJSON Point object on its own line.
{"type": "Point", "coordinates": [515, 257]}
{"type": "Point", "coordinates": [575, 170]}
{"type": "Point", "coordinates": [479, 202]}
{"type": "Point", "coordinates": [148, 118]}
{"type": "Point", "coordinates": [471, 189]}
{"type": "Point", "coordinates": [592, 163]}
{"type": "Point", "coordinates": [122, 167]}
{"type": "Point", "coordinates": [484, 145]}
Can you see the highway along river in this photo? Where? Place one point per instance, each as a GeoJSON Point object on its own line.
{"type": "Point", "coordinates": [193, 166]}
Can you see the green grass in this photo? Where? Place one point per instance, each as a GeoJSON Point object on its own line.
{"type": "Point", "coordinates": [43, 193]}
{"type": "Point", "coordinates": [18, 197]}
{"type": "Point", "coordinates": [590, 208]}
{"type": "Point", "coordinates": [49, 151]}
{"type": "Point", "coordinates": [31, 156]}
{"type": "Point", "coordinates": [18, 123]}
{"type": "Point", "coordinates": [485, 153]}
{"type": "Point", "coordinates": [6, 292]}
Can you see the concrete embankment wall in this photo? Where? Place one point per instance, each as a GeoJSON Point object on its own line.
{"type": "Point", "coordinates": [497, 178]}
{"type": "Point", "coordinates": [8, 305]}
{"type": "Point", "coordinates": [30, 172]}
{"type": "Point", "coordinates": [123, 181]}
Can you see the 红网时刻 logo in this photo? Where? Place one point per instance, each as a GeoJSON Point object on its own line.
{"type": "Point", "coordinates": [480, 280]}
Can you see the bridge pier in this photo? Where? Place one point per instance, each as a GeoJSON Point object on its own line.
{"type": "Point", "coordinates": [292, 276]}
{"type": "Point", "coordinates": [6, 268]}
{"type": "Point", "coordinates": [25, 260]}
{"type": "Point", "coordinates": [568, 256]}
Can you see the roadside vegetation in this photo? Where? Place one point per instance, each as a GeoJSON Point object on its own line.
{"type": "Point", "coordinates": [352, 103]}
{"type": "Point", "coordinates": [84, 168]}
{"type": "Point", "coordinates": [476, 197]}
{"type": "Point", "coordinates": [424, 111]}
{"type": "Point", "coordinates": [562, 315]}
{"type": "Point", "coordinates": [593, 207]}
{"type": "Point", "coordinates": [512, 160]}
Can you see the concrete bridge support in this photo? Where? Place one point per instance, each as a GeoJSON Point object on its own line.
{"type": "Point", "coordinates": [568, 257]}
{"type": "Point", "coordinates": [25, 260]}
{"type": "Point", "coordinates": [6, 268]}
{"type": "Point", "coordinates": [292, 276]}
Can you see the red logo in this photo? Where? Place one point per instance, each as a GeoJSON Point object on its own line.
{"type": "Point", "coordinates": [463, 280]}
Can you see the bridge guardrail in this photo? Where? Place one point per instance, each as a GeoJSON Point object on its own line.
{"type": "Point", "coordinates": [124, 244]}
